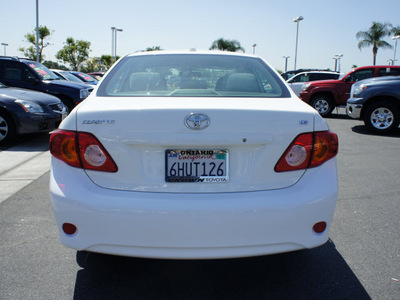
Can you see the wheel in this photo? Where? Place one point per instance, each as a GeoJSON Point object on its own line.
{"type": "Point", "coordinates": [382, 117]}
{"type": "Point", "coordinates": [323, 104]}
{"type": "Point", "coordinates": [7, 128]}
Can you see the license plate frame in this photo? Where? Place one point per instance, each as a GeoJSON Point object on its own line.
{"type": "Point", "coordinates": [197, 165]}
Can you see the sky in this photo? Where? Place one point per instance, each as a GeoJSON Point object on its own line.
{"type": "Point", "coordinates": [329, 27]}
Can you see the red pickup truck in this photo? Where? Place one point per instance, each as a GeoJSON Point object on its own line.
{"type": "Point", "coordinates": [325, 95]}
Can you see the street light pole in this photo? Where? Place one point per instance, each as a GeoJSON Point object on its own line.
{"type": "Point", "coordinates": [112, 41]}
{"type": "Point", "coordinates": [115, 47]}
{"type": "Point", "coordinates": [254, 48]}
{"type": "Point", "coordinates": [286, 60]}
{"type": "Point", "coordinates": [37, 30]}
{"type": "Point", "coordinates": [5, 45]}
{"type": "Point", "coordinates": [297, 20]}
{"type": "Point", "coordinates": [338, 57]}
{"type": "Point", "coordinates": [396, 37]}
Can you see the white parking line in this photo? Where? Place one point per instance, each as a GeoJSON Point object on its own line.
{"type": "Point", "coordinates": [18, 169]}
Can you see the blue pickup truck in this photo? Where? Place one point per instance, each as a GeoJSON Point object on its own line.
{"type": "Point", "coordinates": [376, 101]}
{"type": "Point", "coordinates": [28, 74]}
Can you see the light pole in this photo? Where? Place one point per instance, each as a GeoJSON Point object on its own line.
{"type": "Point", "coordinates": [116, 30]}
{"type": "Point", "coordinates": [114, 42]}
{"type": "Point", "coordinates": [396, 37]}
{"type": "Point", "coordinates": [338, 57]}
{"type": "Point", "coordinates": [286, 60]}
{"type": "Point", "coordinates": [297, 20]}
{"type": "Point", "coordinates": [37, 30]}
{"type": "Point", "coordinates": [254, 48]}
{"type": "Point", "coordinates": [5, 45]}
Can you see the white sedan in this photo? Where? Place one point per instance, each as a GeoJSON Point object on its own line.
{"type": "Point", "coordinates": [193, 155]}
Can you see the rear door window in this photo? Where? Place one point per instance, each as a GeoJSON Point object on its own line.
{"type": "Point", "coordinates": [389, 72]}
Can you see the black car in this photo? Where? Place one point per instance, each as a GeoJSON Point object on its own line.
{"type": "Point", "coordinates": [28, 74]}
{"type": "Point", "coordinates": [376, 101]}
{"type": "Point", "coordinates": [23, 111]}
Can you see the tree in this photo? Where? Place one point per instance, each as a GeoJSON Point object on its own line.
{"type": "Point", "coordinates": [154, 48]}
{"type": "Point", "coordinates": [92, 65]}
{"type": "Point", "coordinates": [107, 61]}
{"type": "Point", "coordinates": [74, 53]}
{"type": "Point", "coordinates": [395, 31]}
{"type": "Point", "coordinates": [30, 52]}
{"type": "Point", "coordinates": [374, 37]}
{"type": "Point", "coordinates": [227, 45]}
{"type": "Point", "coordinates": [54, 65]}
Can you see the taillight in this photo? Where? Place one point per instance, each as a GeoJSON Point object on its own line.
{"type": "Point", "coordinates": [308, 150]}
{"type": "Point", "coordinates": [81, 150]}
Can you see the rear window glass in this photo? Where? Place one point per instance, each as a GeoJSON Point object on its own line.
{"type": "Point", "coordinates": [389, 72]}
{"type": "Point", "coordinates": [192, 75]}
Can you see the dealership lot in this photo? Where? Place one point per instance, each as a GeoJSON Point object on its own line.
{"type": "Point", "coordinates": [361, 260]}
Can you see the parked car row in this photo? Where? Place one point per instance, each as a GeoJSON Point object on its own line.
{"type": "Point", "coordinates": [41, 101]}
{"type": "Point", "coordinates": [370, 93]}
{"type": "Point", "coordinates": [325, 95]}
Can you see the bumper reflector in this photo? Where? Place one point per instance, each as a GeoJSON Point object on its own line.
{"type": "Point", "coordinates": [319, 227]}
{"type": "Point", "coordinates": [69, 228]}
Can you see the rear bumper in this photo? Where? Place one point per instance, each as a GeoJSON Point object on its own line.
{"type": "Point", "coordinates": [193, 226]}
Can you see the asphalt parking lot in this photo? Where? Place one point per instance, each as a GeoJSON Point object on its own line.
{"type": "Point", "coordinates": [360, 261]}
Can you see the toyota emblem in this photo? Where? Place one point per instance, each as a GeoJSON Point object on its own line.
{"type": "Point", "coordinates": [197, 121]}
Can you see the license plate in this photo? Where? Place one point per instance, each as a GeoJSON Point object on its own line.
{"type": "Point", "coordinates": [200, 166]}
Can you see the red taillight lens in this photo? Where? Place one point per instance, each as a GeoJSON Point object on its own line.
{"type": "Point", "coordinates": [81, 150]}
{"type": "Point", "coordinates": [308, 150]}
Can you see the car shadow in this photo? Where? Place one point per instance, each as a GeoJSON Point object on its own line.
{"type": "Point", "coordinates": [338, 116]}
{"type": "Point", "coordinates": [319, 273]}
{"type": "Point", "coordinates": [29, 142]}
{"type": "Point", "coordinates": [362, 129]}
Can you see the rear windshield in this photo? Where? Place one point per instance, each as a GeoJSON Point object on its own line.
{"type": "Point", "coordinates": [192, 75]}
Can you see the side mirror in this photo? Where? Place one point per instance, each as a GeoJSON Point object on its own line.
{"type": "Point", "coordinates": [347, 79]}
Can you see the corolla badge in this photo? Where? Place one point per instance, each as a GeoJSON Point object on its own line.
{"type": "Point", "coordinates": [197, 121]}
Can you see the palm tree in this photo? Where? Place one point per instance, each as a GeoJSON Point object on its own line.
{"type": "Point", "coordinates": [395, 30]}
{"type": "Point", "coordinates": [227, 45]}
{"type": "Point", "coordinates": [374, 37]}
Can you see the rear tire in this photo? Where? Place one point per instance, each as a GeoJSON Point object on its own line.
{"type": "Point", "coordinates": [382, 117]}
{"type": "Point", "coordinates": [7, 128]}
{"type": "Point", "coordinates": [323, 104]}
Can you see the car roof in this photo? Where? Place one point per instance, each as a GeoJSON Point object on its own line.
{"type": "Point", "coordinates": [324, 72]}
{"type": "Point", "coordinates": [192, 52]}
